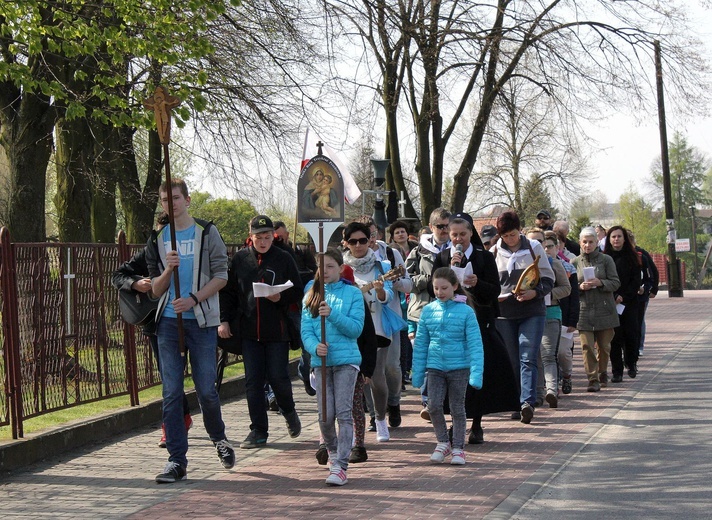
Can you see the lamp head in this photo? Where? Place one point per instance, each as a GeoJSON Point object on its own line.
{"type": "Point", "coordinates": [379, 170]}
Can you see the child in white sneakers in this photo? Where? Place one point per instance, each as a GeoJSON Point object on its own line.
{"type": "Point", "coordinates": [343, 310]}
{"type": "Point", "coordinates": [448, 345]}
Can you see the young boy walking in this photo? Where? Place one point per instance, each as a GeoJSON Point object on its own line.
{"type": "Point", "coordinates": [200, 259]}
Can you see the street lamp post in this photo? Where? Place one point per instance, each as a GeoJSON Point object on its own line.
{"type": "Point", "coordinates": [674, 281]}
{"type": "Point", "coordinates": [379, 177]}
{"type": "Point", "coordinates": [694, 237]}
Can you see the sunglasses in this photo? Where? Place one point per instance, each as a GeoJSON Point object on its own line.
{"type": "Point", "coordinates": [441, 226]}
{"type": "Point", "coordinates": [353, 241]}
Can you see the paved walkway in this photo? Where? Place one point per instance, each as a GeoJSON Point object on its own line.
{"type": "Point", "coordinates": [640, 449]}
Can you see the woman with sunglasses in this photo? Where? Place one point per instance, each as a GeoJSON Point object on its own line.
{"type": "Point", "coordinates": [367, 269]}
{"type": "Point", "coordinates": [499, 386]}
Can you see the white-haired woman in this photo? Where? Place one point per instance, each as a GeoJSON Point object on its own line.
{"type": "Point", "coordinates": [598, 280]}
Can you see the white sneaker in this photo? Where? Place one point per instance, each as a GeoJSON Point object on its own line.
{"type": "Point", "coordinates": [382, 434]}
{"type": "Point", "coordinates": [337, 477]}
{"type": "Point", "coordinates": [458, 458]}
{"type": "Point", "coordinates": [442, 450]}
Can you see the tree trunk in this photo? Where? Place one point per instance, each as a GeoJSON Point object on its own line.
{"type": "Point", "coordinates": [107, 161]}
{"type": "Point", "coordinates": [139, 204]}
{"type": "Point", "coordinates": [26, 123]}
{"type": "Point", "coordinates": [74, 181]}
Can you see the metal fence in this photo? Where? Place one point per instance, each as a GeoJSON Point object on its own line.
{"type": "Point", "coordinates": [63, 340]}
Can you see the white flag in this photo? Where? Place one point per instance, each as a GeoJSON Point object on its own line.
{"type": "Point", "coordinates": [351, 191]}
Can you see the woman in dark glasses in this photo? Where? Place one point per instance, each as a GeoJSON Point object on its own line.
{"type": "Point", "coordinates": [377, 293]}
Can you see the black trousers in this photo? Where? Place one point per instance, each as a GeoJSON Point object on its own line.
{"type": "Point", "coordinates": [625, 343]}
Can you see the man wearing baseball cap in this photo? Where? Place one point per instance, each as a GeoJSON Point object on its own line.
{"type": "Point", "coordinates": [543, 220]}
{"type": "Point", "coordinates": [263, 326]}
{"type": "Point", "coordinates": [488, 234]}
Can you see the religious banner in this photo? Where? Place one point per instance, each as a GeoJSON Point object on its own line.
{"type": "Point", "coordinates": [321, 190]}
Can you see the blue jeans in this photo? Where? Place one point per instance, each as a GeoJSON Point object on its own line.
{"type": "Point", "coordinates": [201, 345]}
{"type": "Point", "coordinates": [454, 383]}
{"type": "Point", "coordinates": [522, 337]}
{"type": "Point", "coordinates": [340, 383]}
{"type": "Point", "coordinates": [266, 362]}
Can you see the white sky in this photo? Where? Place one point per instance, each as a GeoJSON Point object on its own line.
{"type": "Point", "coordinates": [630, 148]}
{"type": "Point", "coordinates": [629, 151]}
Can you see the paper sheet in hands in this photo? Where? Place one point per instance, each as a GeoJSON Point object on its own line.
{"type": "Point", "coordinates": [589, 273]}
{"type": "Point", "coordinates": [262, 289]}
{"type": "Point", "coordinates": [462, 273]}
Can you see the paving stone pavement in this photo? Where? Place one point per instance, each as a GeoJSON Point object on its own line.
{"type": "Point", "coordinates": [510, 471]}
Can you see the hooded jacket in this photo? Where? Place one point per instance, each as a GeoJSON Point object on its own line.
{"type": "Point", "coordinates": [523, 258]}
{"type": "Point", "coordinates": [209, 261]}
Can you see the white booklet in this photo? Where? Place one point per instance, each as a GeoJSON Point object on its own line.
{"type": "Point", "coordinates": [589, 273]}
{"type": "Point", "coordinates": [262, 289]}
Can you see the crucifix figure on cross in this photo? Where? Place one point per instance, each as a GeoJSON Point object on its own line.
{"type": "Point", "coordinates": [162, 103]}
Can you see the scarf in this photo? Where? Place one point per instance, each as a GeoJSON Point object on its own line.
{"type": "Point", "coordinates": [363, 265]}
{"type": "Point", "coordinates": [512, 257]}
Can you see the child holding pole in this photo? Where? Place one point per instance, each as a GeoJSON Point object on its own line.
{"type": "Point", "coordinates": [448, 345]}
{"type": "Point", "coordinates": [342, 310]}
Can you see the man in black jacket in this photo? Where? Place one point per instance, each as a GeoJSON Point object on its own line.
{"type": "Point", "coordinates": [264, 327]}
{"type": "Point", "coordinates": [306, 265]}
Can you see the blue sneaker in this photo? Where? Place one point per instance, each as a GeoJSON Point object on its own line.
{"type": "Point", "coordinates": [254, 440]}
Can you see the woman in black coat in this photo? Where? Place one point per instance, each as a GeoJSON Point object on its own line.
{"type": "Point", "coordinates": [500, 392]}
{"type": "Point", "coordinates": [626, 341]}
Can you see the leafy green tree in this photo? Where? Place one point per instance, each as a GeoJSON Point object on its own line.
{"type": "Point", "coordinates": [688, 171]}
{"type": "Point", "coordinates": [84, 62]}
{"type": "Point", "coordinates": [535, 196]}
{"type": "Point", "coordinates": [232, 217]}
{"type": "Point", "coordinates": [636, 214]}
{"type": "Point", "coordinates": [580, 222]}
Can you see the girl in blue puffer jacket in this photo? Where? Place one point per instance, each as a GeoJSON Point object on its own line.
{"type": "Point", "coordinates": [448, 345]}
{"type": "Point", "coordinates": [343, 310]}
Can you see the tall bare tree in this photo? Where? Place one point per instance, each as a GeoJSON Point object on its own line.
{"type": "Point", "coordinates": [461, 53]}
{"type": "Point", "coordinates": [529, 142]}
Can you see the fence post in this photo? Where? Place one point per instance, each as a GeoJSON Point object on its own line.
{"type": "Point", "coordinates": [12, 333]}
{"type": "Point", "coordinates": [129, 335]}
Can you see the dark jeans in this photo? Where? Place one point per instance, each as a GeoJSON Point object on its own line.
{"type": "Point", "coordinates": [266, 362]}
{"type": "Point", "coordinates": [522, 337]}
{"type": "Point", "coordinates": [406, 357]}
{"type": "Point", "coordinates": [153, 341]}
{"type": "Point", "coordinates": [642, 308]}
{"type": "Point", "coordinates": [200, 344]}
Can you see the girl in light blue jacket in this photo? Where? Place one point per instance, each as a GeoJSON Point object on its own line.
{"type": "Point", "coordinates": [448, 345]}
{"type": "Point", "coordinates": [343, 311]}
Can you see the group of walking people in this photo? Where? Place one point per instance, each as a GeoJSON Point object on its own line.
{"type": "Point", "coordinates": [449, 309]}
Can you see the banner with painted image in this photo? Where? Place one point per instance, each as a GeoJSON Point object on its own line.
{"type": "Point", "coordinates": [321, 192]}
